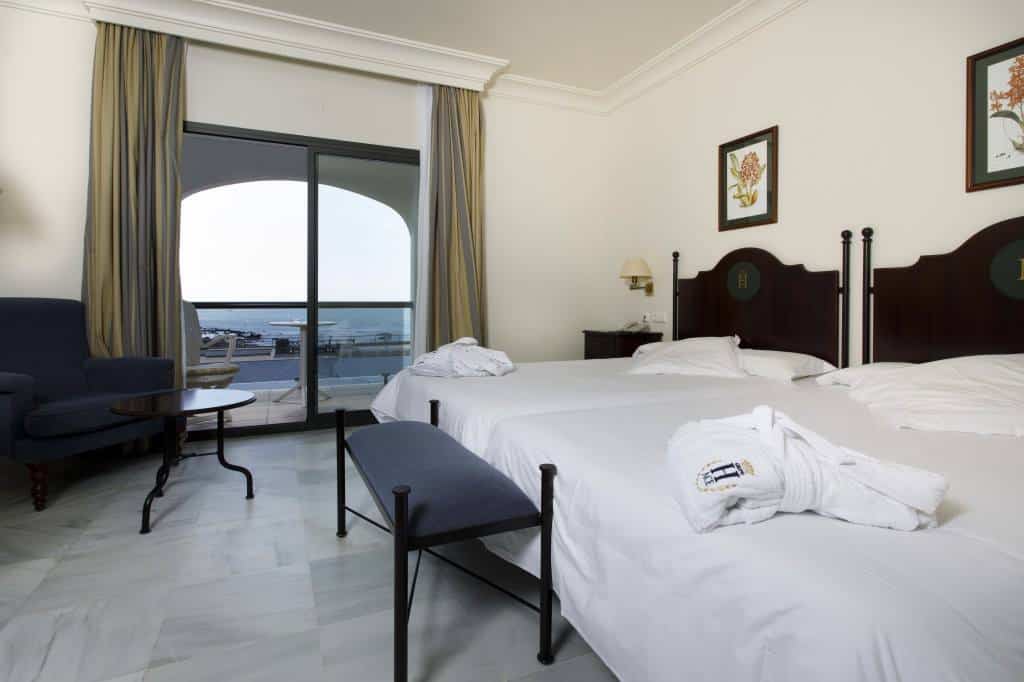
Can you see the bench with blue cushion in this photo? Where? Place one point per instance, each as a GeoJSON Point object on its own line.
{"type": "Point", "coordinates": [431, 490]}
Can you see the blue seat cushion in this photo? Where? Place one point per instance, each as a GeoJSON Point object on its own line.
{"type": "Point", "coordinates": [453, 492]}
{"type": "Point", "coordinates": [81, 414]}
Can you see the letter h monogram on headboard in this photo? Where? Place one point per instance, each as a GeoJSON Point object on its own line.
{"type": "Point", "coordinates": [742, 279]}
{"type": "Point", "coordinates": [1021, 278]}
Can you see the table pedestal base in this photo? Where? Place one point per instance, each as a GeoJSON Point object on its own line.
{"type": "Point", "coordinates": [172, 455]}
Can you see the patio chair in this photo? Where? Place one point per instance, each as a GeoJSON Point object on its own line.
{"type": "Point", "coordinates": [210, 374]}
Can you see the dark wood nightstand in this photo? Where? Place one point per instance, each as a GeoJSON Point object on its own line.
{"type": "Point", "coordinates": [616, 344]}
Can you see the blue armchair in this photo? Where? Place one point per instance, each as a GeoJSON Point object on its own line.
{"type": "Point", "coordinates": [54, 399]}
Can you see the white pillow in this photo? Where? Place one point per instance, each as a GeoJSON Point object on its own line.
{"type": "Point", "coordinates": [648, 347]}
{"type": "Point", "coordinates": [973, 394]}
{"type": "Point", "coordinates": [780, 365]}
{"type": "Point", "coordinates": [700, 356]}
{"type": "Point", "coordinates": [854, 376]}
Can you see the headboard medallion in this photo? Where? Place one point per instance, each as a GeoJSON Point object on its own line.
{"type": "Point", "coordinates": [1007, 270]}
{"type": "Point", "coordinates": [743, 281]}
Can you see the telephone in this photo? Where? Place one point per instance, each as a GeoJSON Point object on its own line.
{"type": "Point", "coordinates": [636, 327]}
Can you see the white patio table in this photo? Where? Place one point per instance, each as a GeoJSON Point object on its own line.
{"type": "Point", "coordinates": [300, 383]}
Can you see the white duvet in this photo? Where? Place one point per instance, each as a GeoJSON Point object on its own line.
{"type": "Point", "coordinates": [472, 406]}
{"type": "Point", "coordinates": [798, 598]}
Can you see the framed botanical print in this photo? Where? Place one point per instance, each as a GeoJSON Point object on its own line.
{"type": "Point", "coordinates": [748, 169]}
{"type": "Point", "coordinates": [995, 117]}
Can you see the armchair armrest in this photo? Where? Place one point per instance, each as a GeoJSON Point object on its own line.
{"type": "Point", "coordinates": [129, 375]}
{"type": "Point", "coordinates": [16, 395]}
{"type": "Point", "coordinates": [230, 339]}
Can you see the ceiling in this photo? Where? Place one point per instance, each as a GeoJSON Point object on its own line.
{"type": "Point", "coordinates": [583, 43]}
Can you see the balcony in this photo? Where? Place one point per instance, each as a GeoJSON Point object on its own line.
{"type": "Point", "coordinates": [358, 348]}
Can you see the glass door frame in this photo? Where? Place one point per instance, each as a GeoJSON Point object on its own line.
{"type": "Point", "coordinates": [314, 147]}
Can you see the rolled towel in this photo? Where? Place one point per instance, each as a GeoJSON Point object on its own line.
{"type": "Point", "coordinates": [462, 358]}
{"type": "Point", "coordinates": [745, 469]}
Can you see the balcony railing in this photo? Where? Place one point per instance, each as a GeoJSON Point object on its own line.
{"type": "Point", "coordinates": [357, 346]}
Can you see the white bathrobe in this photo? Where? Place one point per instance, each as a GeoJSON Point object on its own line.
{"type": "Point", "coordinates": [745, 469]}
{"type": "Point", "coordinates": [462, 358]}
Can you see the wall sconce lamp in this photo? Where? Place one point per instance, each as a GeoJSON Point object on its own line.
{"type": "Point", "coordinates": [638, 273]}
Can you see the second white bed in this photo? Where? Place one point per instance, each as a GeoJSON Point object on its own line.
{"type": "Point", "coordinates": [799, 597]}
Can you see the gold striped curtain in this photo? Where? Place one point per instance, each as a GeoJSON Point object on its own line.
{"type": "Point", "coordinates": [457, 284]}
{"type": "Point", "coordinates": [131, 284]}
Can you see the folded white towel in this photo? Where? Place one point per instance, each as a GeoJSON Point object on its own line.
{"type": "Point", "coordinates": [462, 358]}
{"type": "Point", "coordinates": [745, 469]}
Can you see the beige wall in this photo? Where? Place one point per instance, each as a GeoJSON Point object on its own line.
{"type": "Point", "coordinates": [247, 90]}
{"type": "Point", "coordinates": [869, 99]}
{"type": "Point", "coordinates": [550, 261]}
{"type": "Point", "coordinates": [45, 75]}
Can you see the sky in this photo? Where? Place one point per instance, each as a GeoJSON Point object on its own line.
{"type": "Point", "coordinates": [247, 242]}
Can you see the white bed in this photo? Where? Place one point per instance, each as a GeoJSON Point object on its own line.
{"type": "Point", "coordinates": [799, 597]}
{"type": "Point", "coordinates": [472, 406]}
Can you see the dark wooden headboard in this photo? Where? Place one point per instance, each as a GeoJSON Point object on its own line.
{"type": "Point", "coordinates": [967, 302]}
{"type": "Point", "coordinates": [768, 304]}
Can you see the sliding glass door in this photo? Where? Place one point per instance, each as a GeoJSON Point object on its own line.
{"type": "Point", "coordinates": [297, 254]}
{"type": "Point", "coordinates": [366, 234]}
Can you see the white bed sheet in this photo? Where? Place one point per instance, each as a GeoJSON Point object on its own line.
{"type": "Point", "coordinates": [797, 598]}
{"type": "Point", "coordinates": [472, 406]}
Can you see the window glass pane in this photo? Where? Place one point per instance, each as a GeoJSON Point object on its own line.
{"type": "Point", "coordinates": [243, 221]}
{"type": "Point", "coordinates": [367, 220]}
{"type": "Point", "coordinates": [366, 229]}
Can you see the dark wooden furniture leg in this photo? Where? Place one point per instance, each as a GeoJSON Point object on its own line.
{"type": "Point", "coordinates": [547, 491]}
{"type": "Point", "coordinates": [170, 455]}
{"type": "Point", "coordinates": [39, 474]}
{"type": "Point", "coordinates": [339, 437]}
{"type": "Point", "coordinates": [401, 537]}
{"type": "Point", "coordinates": [228, 465]}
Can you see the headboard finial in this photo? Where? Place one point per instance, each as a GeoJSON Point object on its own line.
{"type": "Point", "coordinates": [866, 293]}
{"type": "Point", "coordinates": [675, 295]}
{"type": "Point", "coordinates": [844, 292]}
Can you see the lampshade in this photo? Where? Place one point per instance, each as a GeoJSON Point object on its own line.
{"type": "Point", "coordinates": [635, 267]}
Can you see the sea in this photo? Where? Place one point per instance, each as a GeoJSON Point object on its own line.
{"type": "Point", "coordinates": [358, 324]}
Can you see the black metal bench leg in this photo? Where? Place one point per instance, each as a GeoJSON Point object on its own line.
{"type": "Point", "coordinates": [401, 537]}
{"type": "Point", "coordinates": [339, 426]}
{"type": "Point", "coordinates": [547, 490]}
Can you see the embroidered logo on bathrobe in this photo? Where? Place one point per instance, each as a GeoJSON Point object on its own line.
{"type": "Point", "coordinates": [717, 476]}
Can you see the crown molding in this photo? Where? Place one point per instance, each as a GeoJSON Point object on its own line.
{"type": "Point", "coordinates": [225, 22]}
{"type": "Point", "coordinates": [549, 93]}
{"type": "Point", "coordinates": [728, 28]}
{"type": "Point", "coordinates": [235, 24]}
{"type": "Point", "coordinates": [65, 10]}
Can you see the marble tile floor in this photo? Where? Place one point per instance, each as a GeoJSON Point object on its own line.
{"type": "Point", "coordinates": [230, 589]}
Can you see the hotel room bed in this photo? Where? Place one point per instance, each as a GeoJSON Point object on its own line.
{"type": "Point", "coordinates": [799, 597]}
{"type": "Point", "coordinates": [807, 321]}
